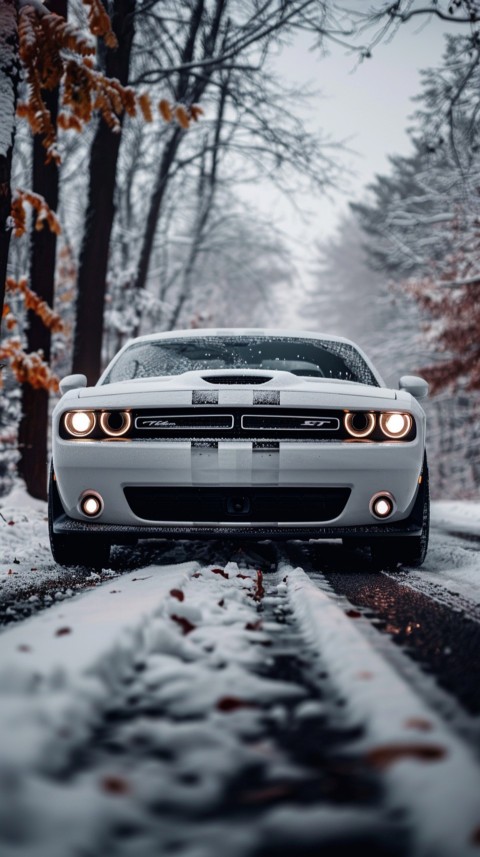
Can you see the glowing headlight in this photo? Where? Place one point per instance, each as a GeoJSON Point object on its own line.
{"type": "Point", "coordinates": [395, 426]}
{"type": "Point", "coordinates": [360, 423]}
{"type": "Point", "coordinates": [80, 423]}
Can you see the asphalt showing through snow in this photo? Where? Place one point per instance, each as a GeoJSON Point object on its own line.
{"type": "Point", "coordinates": [442, 637]}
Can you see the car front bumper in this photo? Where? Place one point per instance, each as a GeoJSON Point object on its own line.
{"type": "Point", "coordinates": [110, 467]}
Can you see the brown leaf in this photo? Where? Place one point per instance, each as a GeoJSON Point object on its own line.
{"type": "Point", "coordinates": [475, 840]}
{"type": "Point", "coordinates": [185, 625]}
{"type": "Point", "coordinates": [259, 591]}
{"type": "Point", "coordinates": [165, 109]}
{"type": "Point", "coordinates": [254, 626]}
{"type": "Point", "coordinates": [178, 594]}
{"type": "Point", "coordinates": [233, 703]}
{"type": "Point", "coordinates": [61, 632]}
{"type": "Point", "coordinates": [267, 794]}
{"type": "Point", "coordinates": [419, 723]}
{"type": "Point", "coordinates": [220, 571]}
{"type": "Point", "coordinates": [383, 757]}
{"type": "Point", "coordinates": [353, 614]}
{"type": "Point", "coordinates": [115, 785]}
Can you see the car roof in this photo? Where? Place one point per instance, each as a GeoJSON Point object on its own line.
{"type": "Point", "coordinates": [279, 333]}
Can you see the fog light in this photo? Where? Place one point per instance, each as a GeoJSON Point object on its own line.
{"type": "Point", "coordinates": [91, 504]}
{"type": "Point", "coordinates": [382, 505]}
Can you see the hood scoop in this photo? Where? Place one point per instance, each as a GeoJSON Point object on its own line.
{"type": "Point", "coordinates": [237, 379]}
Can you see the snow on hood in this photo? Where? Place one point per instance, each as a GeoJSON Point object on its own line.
{"type": "Point", "coordinates": [332, 392]}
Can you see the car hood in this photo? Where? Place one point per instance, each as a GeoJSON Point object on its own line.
{"type": "Point", "coordinates": [177, 390]}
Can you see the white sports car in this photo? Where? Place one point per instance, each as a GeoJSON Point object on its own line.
{"type": "Point", "coordinates": [269, 434]}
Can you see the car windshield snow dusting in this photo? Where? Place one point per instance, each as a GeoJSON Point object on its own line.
{"type": "Point", "coordinates": [304, 357]}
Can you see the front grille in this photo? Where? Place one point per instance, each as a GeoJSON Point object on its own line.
{"type": "Point", "coordinates": [237, 424]}
{"type": "Point", "coordinates": [255, 505]}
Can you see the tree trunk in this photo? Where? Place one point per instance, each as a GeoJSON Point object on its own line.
{"type": "Point", "coordinates": [5, 229]}
{"type": "Point", "coordinates": [92, 274]}
{"type": "Point", "coordinates": [156, 200]}
{"type": "Point", "coordinates": [33, 430]}
{"type": "Point", "coordinates": [8, 87]}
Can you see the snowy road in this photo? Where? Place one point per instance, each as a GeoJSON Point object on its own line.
{"type": "Point", "coordinates": [284, 699]}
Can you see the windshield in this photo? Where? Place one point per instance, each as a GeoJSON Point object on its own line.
{"type": "Point", "coordinates": [305, 357]}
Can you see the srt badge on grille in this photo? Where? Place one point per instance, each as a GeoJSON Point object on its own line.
{"type": "Point", "coordinates": [256, 422]}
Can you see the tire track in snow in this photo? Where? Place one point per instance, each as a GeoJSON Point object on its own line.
{"type": "Point", "coordinates": [444, 641]}
{"type": "Point", "coordinates": [209, 722]}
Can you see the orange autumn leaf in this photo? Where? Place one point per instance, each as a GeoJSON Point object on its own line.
{"type": "Point", "coordinates": [44, 214]}
{"type": "Point", "coordinates": [28, 368]}
{"type": "Point", "coordinates": [182, 117]}
{"type": "Point", "coordinates": [33, 302]}
{"type": "Point", "coordinates": [165, 109]}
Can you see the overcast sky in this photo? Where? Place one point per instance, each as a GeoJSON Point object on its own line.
{"type": "Point", "coordinates": [367, 105]}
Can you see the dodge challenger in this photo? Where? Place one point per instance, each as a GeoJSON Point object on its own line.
{"type": "Point", "coordinates": [261, 433]}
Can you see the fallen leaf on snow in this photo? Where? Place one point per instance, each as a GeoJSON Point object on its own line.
{"type": "Point", "coordinates": [220, 571]}
{"type": "Point", "coordinates": [254, 626]}
{"type": "Point", "coordinates": [476, 836]}
{"type": "Point", "coordinates": [419, 723]}
{"type": "Point", "coordinates": [353, 614]}
{"type": "Point", "coordinates": [61, 632]}
{"type": "Point", "coordinates": [259, 590]}
{"type": "Point", "coordinates": [233, 703]}
{"type": "Point", "coordinates": [384, 757]}
{"type": "Point", "coordinates": [267, 794]}
{"type": "Point", "coordinates": [115, 785]}
{"type": "Point", "coordinates": [178, 594]}
{"type": "Point", "coordinates": [185, 625]}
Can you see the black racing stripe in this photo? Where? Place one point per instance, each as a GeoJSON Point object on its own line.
{"type": "Point", "coordinates": [204, 397]}
{"type": "Point", "coordinates": [266, 397]}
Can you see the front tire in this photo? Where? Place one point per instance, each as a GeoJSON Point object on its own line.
{"type": "Point", "coordinates": [92, 552]}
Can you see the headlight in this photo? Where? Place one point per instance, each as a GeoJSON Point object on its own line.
{"type": "Point", "coordinates": [115, 423]}
{"type": "Point", "coordinates": [395, 426]}
{"type": "Point", "coordinates": [360, 423]}
{"type": "Point", "coordinates": [79, 423]}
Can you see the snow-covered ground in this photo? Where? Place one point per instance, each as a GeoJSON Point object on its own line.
{"type": "Point", "coordinates": [175, 707]}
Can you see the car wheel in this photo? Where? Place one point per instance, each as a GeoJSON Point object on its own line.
{"type": "Point", "coordinates": [407, 550]}
{"type": "Point", "coordinates": [85, 550]}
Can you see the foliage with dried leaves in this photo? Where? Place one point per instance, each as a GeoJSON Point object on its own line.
{"type": "Point", "coordinates": [44, 214]}
{"type": "Point", "coordinates": [55, 52]}
{"type": "Point", "coordinates": [28, 368]}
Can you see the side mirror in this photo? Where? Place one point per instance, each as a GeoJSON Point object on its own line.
{"type": "Point", "coordinates": [72, 382]}
{"type": "Point", "coordinates": [415, 385]}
